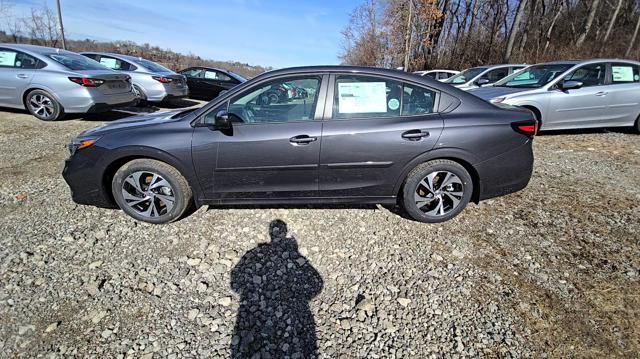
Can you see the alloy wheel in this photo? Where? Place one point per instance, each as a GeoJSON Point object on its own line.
{"type": "Point", "coordinates": [439, 193]}
{"type": "Point", "coordinates": [41, 105]}
{"type": "Point", "coordinates": [148, 193]}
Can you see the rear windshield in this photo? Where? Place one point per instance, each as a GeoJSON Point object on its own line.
{"type": "Point", "coordinates": [152, 66]}
{"type": "Point", "coordinates": [75, 62]}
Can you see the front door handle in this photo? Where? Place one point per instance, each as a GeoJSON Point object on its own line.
{"type": "Point", "coordinates": [415, 135]}
{"type": "Point", "coordinates": [302, 139]}
{"type": "Point", "coordinates": [601, 93]}
{"type": "Point", "coordinates": [22, 76]}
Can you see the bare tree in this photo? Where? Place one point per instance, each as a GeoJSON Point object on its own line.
{"type": "Point", "coordinates": [514, 30]}
{"type": "Point", "coordinates": [612, 21]}
{"type": "Point", "coordinates": [42, 27]}
{"type": "Point", "coordinates": [588, 23]}
{"type": "Point", "coordinates": [633, 38]}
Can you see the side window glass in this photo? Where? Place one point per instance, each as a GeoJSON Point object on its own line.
{"type": "Point", "coordinates": [215, 75]}
{"type": "Point", "coordinates": [496, 75]}
{"type": "Point", "coordinates": [115, 64]}
{"type": "Point", "coordinates": [8, 58]}
{"type": "Point", "coordinates": [194, 73]}
{"type": "Point", "coordinates": [589, 75]}
{"type": "Point", "coordinates": [282, 100]}
{"type": "Point", "coordinates": [417, 100]}
{"type": "Point", "coordinates": [25, 61]}
{"type": "Point", "coordinates": [366, 97]}
{"type": "Point", "coordinates": [622, 73]}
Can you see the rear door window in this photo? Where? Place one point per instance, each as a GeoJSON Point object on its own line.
{"type": "Point", "coordinates": [216, 75]}
{"type": "Point", "coordinates": [193, 73]}
{"type": "Point", "coordinates": [623, 73]}
{"type": "Point", "coordinates": [116, 64]}
{"type": "Point", "coordinates": [496, 74]}
{"type": "Point", "coordinates": [362, 97]}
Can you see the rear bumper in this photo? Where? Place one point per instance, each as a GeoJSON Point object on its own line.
{"type": "Point", "coordinates": [98, 103]}
{"type": "Point", "coordinates": [167, 92]}
{"type": "Point", "coordinates": [507, 173]}
{"type": "Point", "coordinates": [103, 107]}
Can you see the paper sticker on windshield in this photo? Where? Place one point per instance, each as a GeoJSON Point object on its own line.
{"type": "Point", "coordinates": [362, 97]}
{"type": "Point", "coordinates": [7, 58]}
{"type": "Point", "coordinates": [110, 63]}
{"type": "Point", "coordinates": [393, 104]}
{"type": "Point", "coordinates": [622, 73]}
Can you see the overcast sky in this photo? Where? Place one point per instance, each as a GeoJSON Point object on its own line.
{"type": "Point", "coordinates": [260, 32]}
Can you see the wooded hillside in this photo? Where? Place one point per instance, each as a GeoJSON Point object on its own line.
{"type": "Point", "coordinates": [424, 34]}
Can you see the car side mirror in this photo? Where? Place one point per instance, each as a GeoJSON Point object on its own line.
{"type": "Point", "coordinates": [222, 120]}
{"type": "Point", "coordinates": [570, 85]}
{"type": "Point", "coordinates": [482, 82]}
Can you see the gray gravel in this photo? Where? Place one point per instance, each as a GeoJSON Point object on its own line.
{"type": "Point", "coordinates": [553, 270]}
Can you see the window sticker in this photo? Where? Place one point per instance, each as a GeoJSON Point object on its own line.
{"type": "Point", "coordinates": [362, 97]}
{"type": "Point", "coordinates": [7, 58]}
{"type": "Point", "coordinates": [210, 75]}
{"type": "Point", "coordinates": [393, 104]}
{"type": "Point", "coordinates": [622, 73]}
{"type": "Point", "coordinates": [110, 63]}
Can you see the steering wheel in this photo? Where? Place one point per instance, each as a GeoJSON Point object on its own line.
{"type": "Point", "coordinates": [249, 113]}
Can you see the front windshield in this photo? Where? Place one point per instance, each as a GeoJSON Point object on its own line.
{"type": "Point", "coordinates": [466, 75]}
{"type": "Point", "coordinates": [152, 66]}
{"type": "Point", "coordinates": [534, 76]}
{"type": "Point", "coordinates": [76, 62]}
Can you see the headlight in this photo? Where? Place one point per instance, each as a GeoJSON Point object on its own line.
{"type": "Point", "coordinates": [497, 99]}
{"type": "Point", "coordinates": [81, 143]}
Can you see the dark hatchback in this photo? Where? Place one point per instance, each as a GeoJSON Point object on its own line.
{"type": "Point", "coordinates": [354, 135]}
{"type": "Point", "coordinates": [206, 83]}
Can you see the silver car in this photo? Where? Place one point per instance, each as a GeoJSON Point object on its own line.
{"type": "Point", "coordinates": [151, 81]}
{"type": "Point", "coordinates": [482, 75]}
{"type": "Point", "coordinates": [51, 82]}
{"type": "Point", "coordinates": [574, 94]}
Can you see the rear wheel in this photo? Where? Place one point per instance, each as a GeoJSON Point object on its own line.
{"type": "Point", "coordinates": [43, 106]}
{"type": "Point", "coordinates": [437, 191]}
{"type": "Point", "coordinates": [636, 127]}
{"type": "Point", "coordinates": [141, 97]}
{"type": "Point", "coordinates": [151, 191]}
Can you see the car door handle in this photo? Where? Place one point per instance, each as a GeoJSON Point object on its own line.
{"type": "Point", "coordinates": [415, 134]}
{"type": "Point", "coordinates": [22, 76]}
{"type": "Point", "coordinates": [302, 139]}
{"type": "Point", "coordinates": [601, 93]}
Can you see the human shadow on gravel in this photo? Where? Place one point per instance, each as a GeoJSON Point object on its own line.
{"type": "Point", "coordinates": [275, 283]}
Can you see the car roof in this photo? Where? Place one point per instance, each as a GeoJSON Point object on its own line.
{"type": "Point", "coordinates": [113, 54]}
{"type": "Point", "coordinates": [41, 50]}
{"type": "Point", "coordinates": [587, 61]}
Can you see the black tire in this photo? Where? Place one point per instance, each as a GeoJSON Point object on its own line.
{"type": "Point", "coordinates": [141, 97]}
{"type": "Point", "coordinates": [43, 106]}
{"type": "Point", "coordinates": [414, 186]}
{"type": "Point", "coordinates": [636, 127]}
{"type": "Point", "coordinates": [178, 188]}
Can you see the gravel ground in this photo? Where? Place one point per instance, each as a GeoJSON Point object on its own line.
{"type": "Point", "coordinates": [553, 270]}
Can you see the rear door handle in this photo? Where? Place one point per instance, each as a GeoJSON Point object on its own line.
{"type": "Point", "coordinates": [415, 134]}
{"type": "Point", "coordinates": [302, 139]}
{"type": "Point", "coordinates": [22, 76]}
{"type": "Point", "coordinates": [601, 93]}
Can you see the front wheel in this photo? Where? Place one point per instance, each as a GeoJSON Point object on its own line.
{"type": "Point", "coordinates": [636, 127]}
{"type": "Point", "coordinates": [43, 106]}
{"type": "Point", "coordinates": [151, 191]}
{"type": "Point", "coordinates": [437, 191]}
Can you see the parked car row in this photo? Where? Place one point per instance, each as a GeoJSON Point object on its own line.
{"type": "Point", "coordinates": [50, 82]}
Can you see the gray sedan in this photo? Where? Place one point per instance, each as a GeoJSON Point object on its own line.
{"type": "Point", "coordinates": [51, 82]}
{"type": "Point", "coordinates": [151, 81]}
{"type": "Point", "coordinates": [574, 94]}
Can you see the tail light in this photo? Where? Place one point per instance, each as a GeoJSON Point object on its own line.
{"type": "Point", "coordinates": [86, 82]}
{"type": "Point", "coordinates": [528, 127]}
{"type": "Point", "coordinates": [162, 79]}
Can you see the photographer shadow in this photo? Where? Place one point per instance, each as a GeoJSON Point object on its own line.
{"type": "Point", "coordinates": [275, 283]}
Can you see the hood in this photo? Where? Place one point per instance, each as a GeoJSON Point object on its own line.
{"type": "Point", "coordinates": [130, 122]}
{"type": "Point", "coordinates": [487, 93]}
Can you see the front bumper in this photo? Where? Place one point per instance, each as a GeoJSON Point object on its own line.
{"type": "Point", "coordinates": [507, 173]}
{"type": "Point", "coordinates": [83, 174]}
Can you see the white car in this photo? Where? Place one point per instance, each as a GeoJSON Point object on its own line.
{"type": "Point", "coordinates": [475, 77]}
{"type": "Point", "coordinates": [574, 94]}
{"type": "Point", "coordinates": [440, 75]}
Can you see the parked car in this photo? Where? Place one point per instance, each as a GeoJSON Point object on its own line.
{"type": "Point", "coordinates": [440, 75]}
{"type": "Point", "coordinates": [50, 82]}
{"type": "Point", "coordinates": [482, 75]}
{"type": "Point", "coordinates": [574, 94]}
{"type": "Point", "coordinates": [151, 81]}
{"type": "Point", "coordinates": [206, 82]}
{"type": "Point", "coordinates": [367, 135]}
